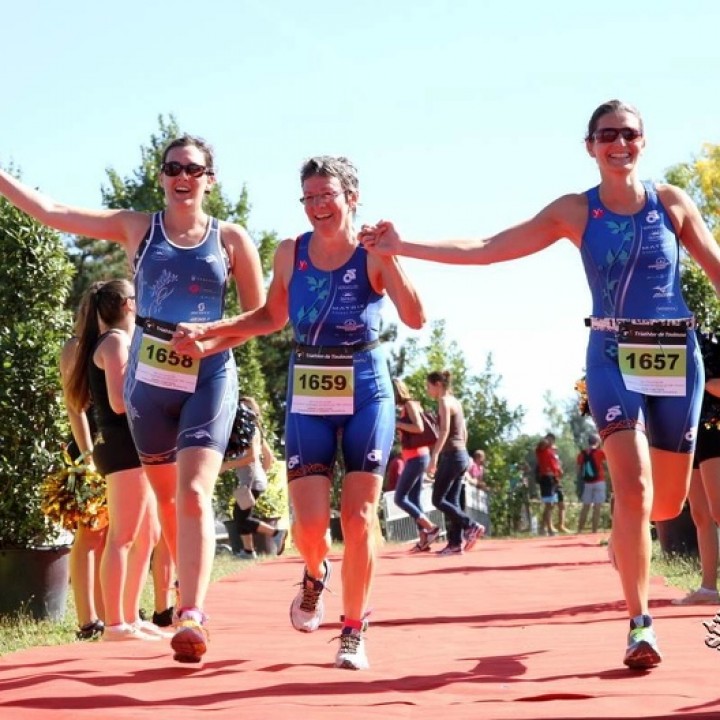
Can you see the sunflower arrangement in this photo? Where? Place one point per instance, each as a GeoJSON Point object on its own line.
{"type": "Point", "coordinates": [75, 495]}
{"type": "Point", "coordinates": [581, 390]}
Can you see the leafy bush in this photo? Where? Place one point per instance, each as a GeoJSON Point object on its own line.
{"type": "Point", "coordinates": [35, 276]}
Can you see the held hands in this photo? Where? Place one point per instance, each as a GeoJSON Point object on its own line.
{"type": "Point", "coordinates": [186, 339]}
{"type": "Point", "coordinates": [380, 239]}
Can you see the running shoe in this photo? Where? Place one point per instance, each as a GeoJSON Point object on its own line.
{"type": "Point", "coordinates": [472, 534]}
{"type": "Point", "coordinates": [245, 555]}
{"type": "Point", "coordinates": [123, 631]}
{"type": "Point", "coordinates": [151, 629]}
{"type": "Point", "coordinates": [351, 654]}
{"type": "Point", "coordinates": [701, 596]}
{"type": "Point", "coordinates": [308, 608]}
{"type": "Point", "coordinates": [451, 550]}
{"type": "Point", "coordinates": [432, 535]}
{"type": "Point", "coordinates": [189, 642]}
{"type": "Point", "coordinates": [418, 547]}
{"type": "Point", "coordinates": [91, 631]}
{"type": "Point", "coordinates": [642, 651]}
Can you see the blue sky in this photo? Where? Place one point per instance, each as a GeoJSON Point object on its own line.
{"type": "Point", "coordinates": [463, 117]}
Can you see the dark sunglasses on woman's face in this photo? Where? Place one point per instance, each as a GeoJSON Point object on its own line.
{"type": "Point", "coordinates": [608, 135]}
{"type": "Point", "coordinates": [174, 168]}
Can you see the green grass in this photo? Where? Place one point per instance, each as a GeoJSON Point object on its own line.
{"type": "Point", "coordinates": [23, 632]}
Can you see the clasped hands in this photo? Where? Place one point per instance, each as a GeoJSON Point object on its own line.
{"type": "Point", "coordinates": [186, 339]}
{"type": "Point", "coordinates": [380, 239]}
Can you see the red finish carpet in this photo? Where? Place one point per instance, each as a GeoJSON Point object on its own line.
{"type": "Point", "coordinates": [513, 629]}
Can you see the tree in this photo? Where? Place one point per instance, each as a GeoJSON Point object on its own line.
{"type": "Point", "coordinates": [34, 282]}
{"type": "Point", "coordinates": [700, 178]}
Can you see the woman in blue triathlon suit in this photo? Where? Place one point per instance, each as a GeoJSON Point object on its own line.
{"type": "Point", "coordinates": [339, 386]}
{"type": "Point", "coordinates": [180, 409]}
{"type": "Point", "coordinates": [644, 372]}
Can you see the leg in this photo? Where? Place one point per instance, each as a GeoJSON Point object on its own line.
{"type": "Point", "coordinates": [163, 574]}
{"type": "Point", "coordinates": [628, 457]}
{"type": "Point", "coordinates": [310, 499]}
{"type": "Point", "coordinates": [707, 539]}
{"type": "Point", "coordinates": [140, 553]}
{"type": "Point", "coordinates": [360, 498]}
{"type": "Point", "coordinates": [197, 470]}
{"type": "Point", "coordinates": [583, 517]}
{"type": "Point", "coordinates": [87, 546]}
{"type": "Point", "coordinates": [163, 480]}
{"type": "Point", "coordinates": [126, 506]}
{"type": "Point", "coordinates": [597, 508]}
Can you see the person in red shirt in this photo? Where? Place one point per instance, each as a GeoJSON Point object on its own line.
{"type": "Point", "coordinates": [549, 472]}
{"type": "Point", "coordinates": [591, 473]}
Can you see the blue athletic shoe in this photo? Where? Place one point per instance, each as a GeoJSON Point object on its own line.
{"type": "Point", "coordinates": [642, 651]}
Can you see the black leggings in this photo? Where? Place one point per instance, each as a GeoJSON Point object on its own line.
{"type": "Point", "coordinates": [446, 493]}
{"type": "Point", "coordinates": [246, 522]}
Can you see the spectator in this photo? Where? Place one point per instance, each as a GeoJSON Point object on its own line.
{"type": "Point", "coordinates": [591, 475]}
{"type": "Point", "coordinates": [549, 473]}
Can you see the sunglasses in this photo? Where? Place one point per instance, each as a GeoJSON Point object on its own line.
{"type": "Point", "coordinates": [174, 168]}
{"type": "Point", "coordinates": [608, 135]}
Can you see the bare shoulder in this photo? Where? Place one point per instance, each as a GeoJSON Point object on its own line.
{"type": "Point", "coordinates": [569, 213]}
{"type": "Point", "coordinates": [672, 196]}
{"type": "Point", "coordinates": [234, 234]}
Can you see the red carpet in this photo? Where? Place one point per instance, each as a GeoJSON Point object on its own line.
{"type": "Point", "coordinates": [513, 629]}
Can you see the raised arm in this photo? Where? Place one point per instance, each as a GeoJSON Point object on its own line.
{"type": "Point", "coordinates": [563, 218]}
{"type": "Point", "coordinates": [123, 226]}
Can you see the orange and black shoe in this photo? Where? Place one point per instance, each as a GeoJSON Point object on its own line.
{"type": "Point", "coordinates": [191, 637]}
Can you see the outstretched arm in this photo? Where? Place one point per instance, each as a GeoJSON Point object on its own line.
{"type": "Point", "coordinates": [116, 225]}
{"type": "Point", "coordinates": [564, 217]}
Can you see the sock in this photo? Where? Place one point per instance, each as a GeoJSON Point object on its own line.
{"type": "Point", "coordinates": [711, 591]}
{"type": "Point", "coordinates": [640, 621]}
{"type": "Point", "coordinates": [191, 613]}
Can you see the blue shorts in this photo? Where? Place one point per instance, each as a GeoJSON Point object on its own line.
{"type": "Point", "coordinates": [163, 421]}
{"type": "Point", "coordinates": [670, 423]}
{"type": "Point", "coordinates": [366, 436]}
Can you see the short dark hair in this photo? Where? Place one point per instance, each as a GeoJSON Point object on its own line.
{"type": "Point", "coordinates": [606, 108]}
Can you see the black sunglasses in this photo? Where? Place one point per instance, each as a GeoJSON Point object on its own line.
{"type": "Point", "coordinates": [174, 168]}
{"type": "Point", "coordinates": [608, 135]}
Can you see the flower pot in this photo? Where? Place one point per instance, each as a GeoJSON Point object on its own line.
{"type": "Point", "coordinates": [266, 544]}
{"type": "Point", "coordinates": [34, 581]}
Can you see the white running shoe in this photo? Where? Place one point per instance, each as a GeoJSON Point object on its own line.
{"type": "Point", "coordinates": [701, 596]}
{"type": "Point", "coordinates": [351, 654]}
{"type": "Point", "coordinates": [307, 609]}
{"type": "Point", "coordinates": [151, 629]}
{"type": "Point", "coordinates": [119, 633]}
